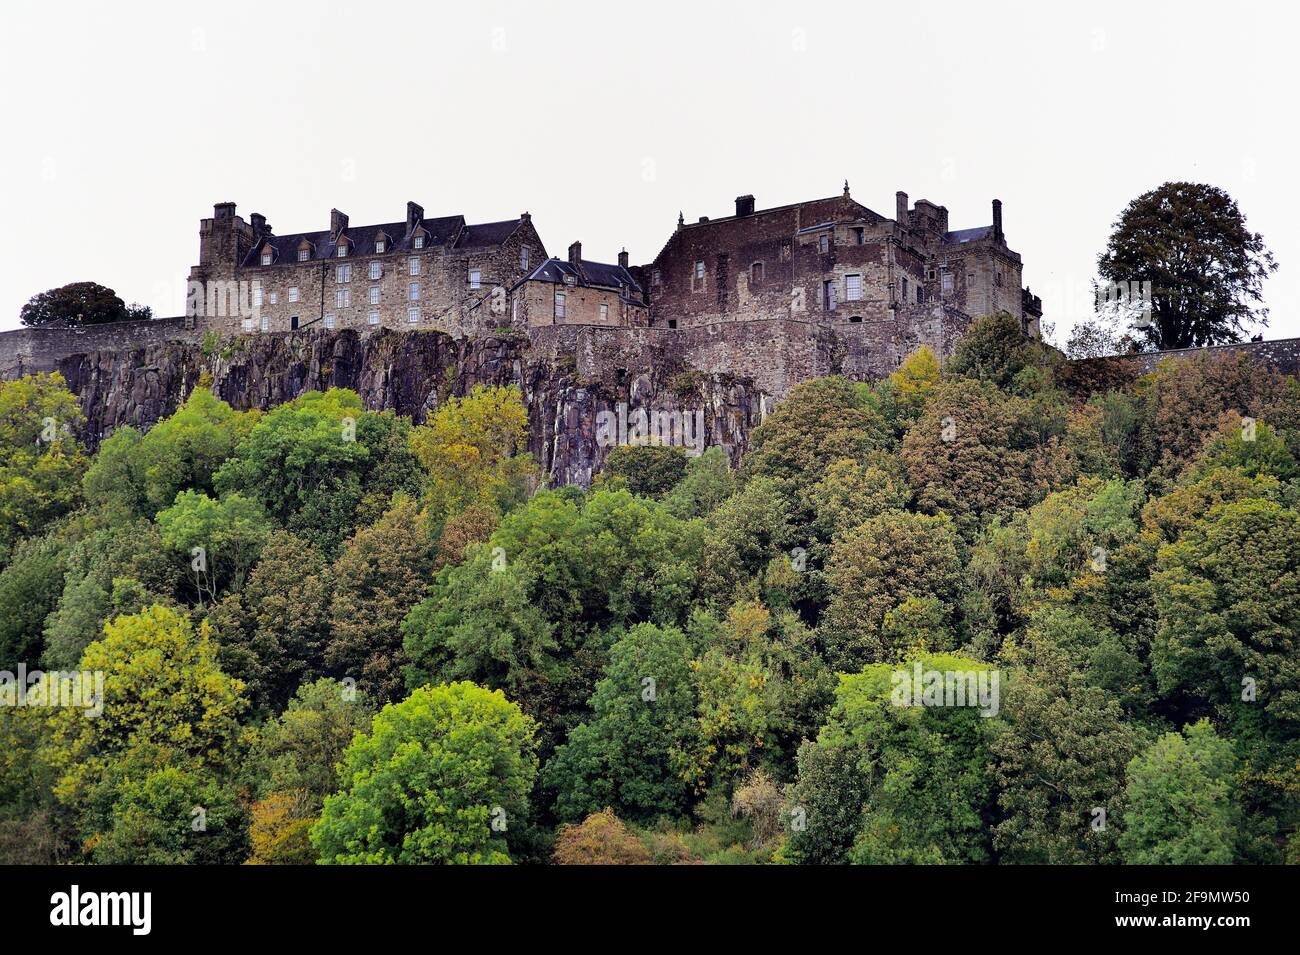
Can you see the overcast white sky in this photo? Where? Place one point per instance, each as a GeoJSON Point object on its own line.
{"type": "Point", "coordinates": [124, 124]}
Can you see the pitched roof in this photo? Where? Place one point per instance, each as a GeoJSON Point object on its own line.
{"type": "Point", "coordinates": [587, 274]}
{"type": "Point", "coordinates": [968, 235]}
{"type": "Point", "coordinates": [451, 231]}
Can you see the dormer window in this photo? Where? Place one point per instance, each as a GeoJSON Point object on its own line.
{"type": "Point", "coordinates": [380, 245]}
{"type": "Point", "coordinates": [267, 256]}
{"type": "Point", "coordinates": [304, 255]}
{"type": "Point", "coordinates": [342, 249]}
{"type": "Point", "coordinates": [417, 242]}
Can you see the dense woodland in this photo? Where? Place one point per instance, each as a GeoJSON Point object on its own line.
{"type": "Point", "coordinates": [396, 648]}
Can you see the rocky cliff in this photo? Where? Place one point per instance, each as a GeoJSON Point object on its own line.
{"type": "Point", "coordinates": [412, 373]}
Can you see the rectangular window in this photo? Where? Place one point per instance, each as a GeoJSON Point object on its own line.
{"type": "Point", "coordinates": [828, 295]}
{"type": "Point", "coordinates": [343, 273]}
{"type": "Point", "coordinates": [853, 288]}
{"type": "Point", "coordinates": [329, 321]}
{"type": "Point", "coordinates": [372, 318]}
{"type": "Point", "coordinates": [257, 295]}
{"type": "Point", "coordinates": [376, 270]}
{"type": "Point", "coordinates": [342, 250]}
{"type": "Point", "coordinates": [756, 273]}
{"type": "Point", "coordinates": [304, 255]}
{"type": "Point", "coordinates": [413, 315]}
{"type": "Point", "coordinates": [413, 291]}
{"type": "Point", "coordinates": [604, 312]}
{"type": "Point", "coordinates": [374, 295]}
{"type": "Point", "coordinates": [655, 277]}
{"type": "Point", "coordinates": [823, 243]}
{"type": "Point", "coordinates": [514, 309]}
{"type": "Point", "coordinates": [266, 323]}
{"type": "Point", "coordinates": [860, 235]}
{"type": "Point", "coordinates": [559, 304]}
{"type": "Point", "coordinates": [417, 242]}
{"type": "Point", "coordinates": [275, 298]}
{"type": "Point", "coordinates": [342, 298]}
{"type": "Point", "coordinates": [920, 294]}
{"type": "Point", "coordinates": [697, 281]}
{"type": "Point", "coordinates": [266, 258]}
{"type": "Point", "coordinates": [475, 278]}
{"type": "Point", "coordinates": [413, 266]}
{"type": "Point", "coordinates": [524, 255]}
{"type": "Point", "coordinates": [785, 251]}
{"type": "Point", "coordinates": [293, 293]}
{"type": "Point", "coordinates": [904, 295]}
{"type": "Point", "coordinates": [248, 324]}
{"type": "Point", "coordinates": [380, 245]}
{"type": "Point", "coordinates": [947, 283]}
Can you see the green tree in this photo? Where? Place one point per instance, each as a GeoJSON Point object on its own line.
{"type": "Point", "coordinates": [381, 575]}
{"type": "Point", "coordinates": [30, 586]}
{"type": "Point", "coordinates": [996, 349]}
{"type": "Point", "coordinates": [222, 538]}
{"type": "Point", "coordinates": [1206, 268]}
{"type": "Point", "coordinates": [630, 755]}
{"type": "Point", "coordinates": [41, 462]}
{"type": "Point", "coordinates": [442, 777]}
{"type": "Point", "coordinates": [80, 303]}
{"type": "Point", "coordinates": [649, 470]}
{"type": "Point", "coordinates": [1180, 800]}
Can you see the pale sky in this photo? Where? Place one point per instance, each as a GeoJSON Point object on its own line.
{"type": "Point", "coordinates": [123, 124]}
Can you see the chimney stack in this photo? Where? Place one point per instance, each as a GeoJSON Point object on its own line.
{"type": "Point", "coordinates": [622, 259]}
{"type": "Point", "coordinates": [338, 223]}
{"type": "Point", "coordinates": [414, 216]}
{"type": "Point", "coordinates": [575, 253]}
{"type": "Point", "coordinates": [258, 222]}
{"type": "Point", "coordinates": [223, 210]}
{"type": "Point", "coordinates": [744, 206]}
{"type": "Point", "coordinates": [900, 208]}
{"type": "Point", "coordinates": [997, 220]}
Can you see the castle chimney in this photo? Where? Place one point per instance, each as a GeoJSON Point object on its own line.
{"type": "Point", "coordinates": [900, 208]}
{"type": "Point", "coordinates": [525, 217]}
{"type": "Point", "coordinates": [223, 210]}
{"type": "Point", "coordinates": [338, 223]}
{"type": "Point", "coordinates": [997, 220]}
{"type": "Point", "coordinates": [575, 253]}
{"type": "Point", "coordinates": [622, 259]}
{"type": "Point", "coordinates": [744, 206]}
{"type": "Point", "coordinates": [258, 222]}
{"type": "Point", "coordinates": [414, 216]}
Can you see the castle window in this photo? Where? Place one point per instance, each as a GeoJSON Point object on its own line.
{"type": "Point", "coordinates": [275, 298]}
{"type": "Point", "coordinates": [672, 323]}
{"type": "Point", "coordinates": [756, 273]}
{"type": "Point", "coordinates": [559, 304]}
{"type": "Point", "coordinates": [920, 295]}
{"type": "Point", "coordinates": [698, 282]}
{"type": "Point", "coordinates": [343, 298]}
{"type": "Point", "coordinates": [343, 273]}
{"type": "Point", "coordinates": [293, 293]}
{"type": "Point", "coordinates": [514, 310]}
{"type": "Point", "coordinates": [860, 235]}
{"type": "Point", "coordinates": [604, 312]}
{"type": "Point", "coordinates": [785, 251]}
{"type": "Point", "coordinates": [266, 323]}
{"type": "Point", "coordinates": [374, 295]}
{"type": "Point", "coordinates": [380, 245]}
{"type": "Point", "coordinates": [828, 295]}
{"type": "Point", "coordinates": [304, 255]}
{"type": "Point", "coordinates": [413, 266]}
{"type": "Point", "coordinates": [372, 318]}
{"type": "Point", "coordinates": [342, 249]}
{"type": "Point", "coordinates": [997, 278]}
{"type": "Point", "coordinates": [248, 325]}
{"type": "Point", "coordinates": [375, 271]}
{"type": "Point", "coordinates": [257, 295]}
{"type": "Point", "coordinates": [946, 283]}
{"type": "Point", "coordinates": [266, 257]}
{"type": "Point", "coordinates": [655, 277]}
{"type": "Point", "coordinates": [413, 315]}
{"type": "Point", "coordinates": [417, 242]}
{"type": "Point", "coordinates": [853, 288]}
{"type": "Point", "coordinates": [929, 275]}
{"type": "Point", "coordinates": [903, 297]}
{"type": "Point", "coordinates": [475, 278]}
{"type": "Point", "coordinates": [413, 291]}
{"type": "Point", "coordinates": [823, 243]}
{"type": "Point", "coordinates": [523, 257]}
{"type": "Point", "coordinates": [329, 321]}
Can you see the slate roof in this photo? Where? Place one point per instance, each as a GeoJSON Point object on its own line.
{"type": "Point", "coordinates": [968, 235]}
{"type": "Point", "coordinates": [588, 274]}
{"type": "Point", "coordinates": [450, 231]}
